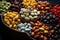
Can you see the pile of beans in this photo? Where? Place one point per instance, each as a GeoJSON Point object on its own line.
{"type": "Point", "coordinates": [29, 13]}
{"type": "Point", "coordinates": [29, 3]}
{"type": "Point", "coordinates": [15, 5]}
{"type": "Point", "coordinates": [11, 19]}
{"type": "Point", "coordinates": [40, 30]}
{"type": "Point", "coordinates": [49, 18]}
{"type": "Point", "coordinates": [55, 35]}
{"type": "Point", "coordinates": [24, 27]}
{"type": "Point", "coordinates": [4, 6]}
{"type": "Point", "coordinates": [56, 10]}
{"type": "Point", "coordinates": [43, 6]}
{"type": "Point", "coordinates": [37, 18]}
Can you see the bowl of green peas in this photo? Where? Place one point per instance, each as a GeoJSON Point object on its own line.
{"type": "Point", "coordinates": [4, 6]}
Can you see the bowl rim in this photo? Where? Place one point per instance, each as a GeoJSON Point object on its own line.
{"type": "Point", "coordinates": [12, 28]}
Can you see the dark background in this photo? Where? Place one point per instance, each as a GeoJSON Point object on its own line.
{"type": "Point", "coordinates": [8, 34]}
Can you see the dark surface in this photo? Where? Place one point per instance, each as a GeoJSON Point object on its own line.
{"type": "Point", "coordinates": [8, 34]}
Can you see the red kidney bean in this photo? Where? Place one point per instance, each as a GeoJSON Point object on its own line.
{"type": "Point", "coordinates": [56, 10]}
